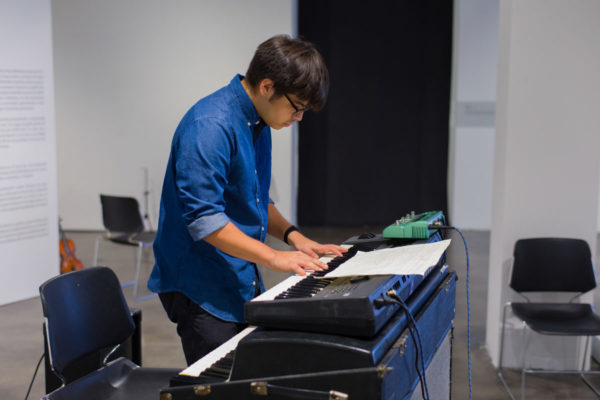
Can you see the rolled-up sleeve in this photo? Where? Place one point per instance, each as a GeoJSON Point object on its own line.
{"type": "Point", "coordinates": [207, 224]}
{"type": "Point", "coordinates": [201, 170]}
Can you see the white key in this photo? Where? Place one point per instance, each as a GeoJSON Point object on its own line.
{"type": "Point", "coordinates": [279, 288]}
{"type": "Point", "coordinates": [208, 360]}
{"type": "Point", "coordinates": [289, 282]}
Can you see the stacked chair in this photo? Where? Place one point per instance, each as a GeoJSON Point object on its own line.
{"type": "Point", "coordinates": [552, 265]}
{"type": "Point", "coordinates": [124, 225]}
{"type": "Point", "coordinates": [87, 317]}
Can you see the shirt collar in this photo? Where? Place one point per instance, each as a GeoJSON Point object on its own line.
{"type": "Point", "coordinates": [244, 101]}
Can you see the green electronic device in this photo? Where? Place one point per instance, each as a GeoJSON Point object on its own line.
{"type": "Point", "coordinates": [415, 226]}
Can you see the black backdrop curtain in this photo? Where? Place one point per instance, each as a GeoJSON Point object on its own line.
{"type": "Point", "coordinates": [379, 148]}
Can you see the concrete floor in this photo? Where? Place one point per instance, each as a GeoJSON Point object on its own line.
{"type": "Point", "coordinates": [21, 343]}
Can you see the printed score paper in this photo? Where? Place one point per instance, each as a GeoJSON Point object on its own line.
{"type": "Point", "coordinates": [413, 259]}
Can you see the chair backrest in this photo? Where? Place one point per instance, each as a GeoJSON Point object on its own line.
{"type": "Point", "coordinates": [552, 265]}
{"type": "Point", "coordinates": [121, 214]}
{"type": "Point", "coordinates": [85, 312]}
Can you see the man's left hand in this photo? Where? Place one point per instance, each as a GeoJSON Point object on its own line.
{"type": "Point", "coordinates": [312, 248]}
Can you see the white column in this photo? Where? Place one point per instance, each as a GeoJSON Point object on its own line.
{"type": "Point", "coordinates": [28, 199]}
{"type": "Point", "coordinates": [474, 66]}
{"type": "Point", "coordinates": [547, 142]}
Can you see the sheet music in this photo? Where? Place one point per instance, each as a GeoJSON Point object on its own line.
{"type": "Point", "coordinates": [413, 259]}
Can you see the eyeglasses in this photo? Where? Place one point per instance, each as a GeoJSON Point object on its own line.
{"type": "Point", "coordinates": [298, 110]}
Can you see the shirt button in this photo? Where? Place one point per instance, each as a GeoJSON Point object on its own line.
{"type": "Point", "coordinates": [255, 172]}
{"type": "Point", "coordinates": [257, 200]}
{"type": "Point", "coordinates": [253, 283]}
{"type": "Point", "coordinates": [262, 228]}
{"type": "Point", "coordinates": [249, 124]}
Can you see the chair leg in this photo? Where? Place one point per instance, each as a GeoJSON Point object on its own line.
{"type": "Point", "coordinates": [523, 371]}
{"type": "Point", "coordinates": [526, 339]}
{"type": "Point", "coordinates": [590, 385]}
{"type": "Point", "coordinates": [131, 283]}
{"type": "Point", "coordinates": [147, 297]}
{"type": "Point", "coordinates": [582, 375]}
{"type": "Point", "coordinates": [139, 254]}
{"type": "Point", "coordinates": [138, 262]}
{"type": "Point", "coordinates": [500, 365]}
{"type": "Point", "coordinates": [96, 248]}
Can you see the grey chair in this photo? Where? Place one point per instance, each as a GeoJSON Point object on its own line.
{"type": "Point", "coordinates": [86, 314]}
{"type": "Point", "coordinates": [124, 225]}
{"type": "Point", "coordinates": [552, 265]}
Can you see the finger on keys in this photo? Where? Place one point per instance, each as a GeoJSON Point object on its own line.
{"type": "Point", "coordinates": [299, 270]}
{"type": "Point", "coordinates": [339, 250]}
{"type": "Point", "coordinates": [320, 265]}
{"type": "Point", "coordinates": [335, 250]}
{"type": "Point", "coordinates": [314, 266]}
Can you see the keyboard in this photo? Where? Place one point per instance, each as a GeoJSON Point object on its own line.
{"type": "Point", "coordinates": [380, 367]}
{"type": "Point", "coordinates": [346, 305]}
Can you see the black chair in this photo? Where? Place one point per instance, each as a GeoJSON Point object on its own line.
{"type": "Point", "coordinates": [552, 265]}
{"type": "Point", "coordinates": [124, 225]}
{"type": "Point", "coordinates": [85, 313]}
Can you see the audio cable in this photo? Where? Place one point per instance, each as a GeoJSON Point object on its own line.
{"type": "Point", "coordinates": [438, 225]}
{"type": "Point", "coordinates": [34, 375]}
{"type": "Point", "coordinates": [413, 329]}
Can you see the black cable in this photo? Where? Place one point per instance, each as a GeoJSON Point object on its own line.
{"type": "Point", "coordinates": [418, 346]}
{"type": "Point", "coordinates": [418, 350]}
{"type": "Point", "coordinates": [34, 374]}
{"type": "Point", "coordinates": [422, 381]}
{"type": "Point", "coordinates": [417, 367]}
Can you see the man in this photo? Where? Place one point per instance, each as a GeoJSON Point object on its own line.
{"type": "Point", "coordinates": [215, 208]}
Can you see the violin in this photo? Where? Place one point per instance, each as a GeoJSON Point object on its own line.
{"type": "Point", "coordinates": [68, 261]}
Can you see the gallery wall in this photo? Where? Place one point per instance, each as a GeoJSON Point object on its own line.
{"type": "Point", "coordinates": [28, 199]}
{"type": "Point", "coordinates": [126, 72]}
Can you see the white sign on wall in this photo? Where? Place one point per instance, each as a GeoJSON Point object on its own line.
{"type": "Point", "coordinates": [28, 198]}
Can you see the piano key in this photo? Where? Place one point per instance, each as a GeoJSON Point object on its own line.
{"type": "Point", "coordinates": [208, 360]}
{"type": "Point", "coordinates": [211, 358]}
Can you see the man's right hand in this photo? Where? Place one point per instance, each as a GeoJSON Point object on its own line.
{"type": "Point", "coordinates": [295, 261]}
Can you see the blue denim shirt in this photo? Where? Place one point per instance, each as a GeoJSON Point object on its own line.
{"type": "Point", "coordinates": [216, 174]}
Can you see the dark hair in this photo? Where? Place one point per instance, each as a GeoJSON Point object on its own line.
{"type": "Point", "coordinates": [295, 67]}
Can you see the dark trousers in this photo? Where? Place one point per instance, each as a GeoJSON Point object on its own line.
{"type": "Point", "coordinates": [200, 331]}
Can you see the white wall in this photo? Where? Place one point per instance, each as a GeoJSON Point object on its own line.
{"type": "Point", "coordinates": [473, 111]}
{"type": "Point", "coordinates": [126, 72]}
{"type": "Point", "coordinates": [546, 163]}
{"type": "Point", "coordinates": [472, 117]}
{"type": "Point", "coordinates": [28, 199]}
